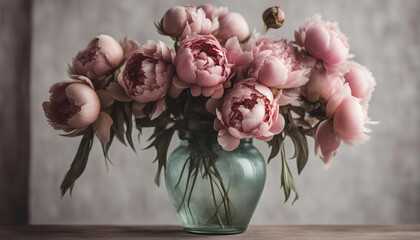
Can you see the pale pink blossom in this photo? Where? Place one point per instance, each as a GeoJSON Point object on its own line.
{"type": "Point", "coordinates": [146, 76]}
{"type": "Point", "coordinates": [202, 65]}
{"type": "Point", "coordinates": [322, 86]}
{"type": "Point", "coordinates": [102, 55]}
{"type": "Point", "coordinates": [323, 40]}
{"type": "Point", "coordinates": [247, 110]}
{"type": "Point", "coordinates": [335, 101]}
{"type": "Point", "coordinates": [213, 11]}
{"type": "Point", "coordinates": [73, 104]}
{"type": "Point", "coordinates": [349, 121]}
{"type": "Point", "coordinates": [361, 83]}
{"type": "Point", "coordinates": [276, 63]}
{"type": "Point", "coordinates": [230, 25]}
{"type": "Point", "coordinates": [198, 23]}
{"type": "Point", "coordinates": [326, 140]}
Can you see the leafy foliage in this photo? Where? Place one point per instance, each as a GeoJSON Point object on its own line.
{"type": "Point", "coordinates": [79, 162]}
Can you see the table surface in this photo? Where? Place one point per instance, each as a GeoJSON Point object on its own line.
{"type": "Point", "coordinates": [282, 232]}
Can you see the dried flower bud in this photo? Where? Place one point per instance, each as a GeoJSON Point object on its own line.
{"type": "Point", "coordinates": [274, 17]}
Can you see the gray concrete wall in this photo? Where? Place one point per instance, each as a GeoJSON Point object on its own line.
{"type": "Point", "coordinates": [378, 182]}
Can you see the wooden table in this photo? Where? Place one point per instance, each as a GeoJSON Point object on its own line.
{"type": "Point", "coordinates": [398, 232]}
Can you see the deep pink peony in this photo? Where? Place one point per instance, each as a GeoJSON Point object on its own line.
{"type": "Point", "coordinates": [102, 55]}
{"type": "Point", "coordinates": [326, 140]}
{"type": "Point", "coordinates": [323, 40]}
{"type": "Point", "coordinates": [202, 65]}
{"type": "Point", "coordinates": [247, 110]}
{"type": "Point", "coordinates": [147, 75]}
{"type": "Point", "coordinates": [322, 86]}
{"type": "Point", "coordinates": [73, 104]}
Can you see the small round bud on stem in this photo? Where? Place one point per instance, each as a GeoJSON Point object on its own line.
{"type": "Point", "coordinates": [274, 17]}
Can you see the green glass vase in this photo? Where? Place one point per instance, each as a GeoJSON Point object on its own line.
{"type": "Point", "coordinates": [217, 193]}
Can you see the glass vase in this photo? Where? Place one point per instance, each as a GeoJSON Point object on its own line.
{"type": "Point", "coordinates": [214, 193]}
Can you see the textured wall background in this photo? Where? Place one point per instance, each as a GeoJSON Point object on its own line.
{"type": "Point", "coordinates": [378, 182]}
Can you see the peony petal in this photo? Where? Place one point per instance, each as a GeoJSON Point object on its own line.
{"type": "Point", "coordinates": [117, 92]}
{"type": "Point", "coordinates": [349, 121]}
{"type": "Point", "coordinates": [278, 124]}
{"type": "Point", "coordinates": [226, 141]}
{"type": "Point", "coordinates": [105, 98]}
{"type": "Point", "coordinates": [217, 125]}
{"type": "Point", "coordinates": [102, 127]}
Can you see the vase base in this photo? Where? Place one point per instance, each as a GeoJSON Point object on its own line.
{"type": "Point", "coordinates": [214, 230]}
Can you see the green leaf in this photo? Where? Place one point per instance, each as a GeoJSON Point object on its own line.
{"type": "Point", "coordinates": [301, 146]}
{"type": "Point", "coordinates": [161, 142]}
{"type": "Point", "coordinates": [105, 148]}
{"type": "Point", "coordinates": [118, 124]}
{"type": "Point", "coordinates": [287, 181]}
{"type": "Point", "coordinates": [275, 145]}
{"type": "Point", "coordinates": [79, 162]}
{"type": "Point", "coordinates": [129, 123]}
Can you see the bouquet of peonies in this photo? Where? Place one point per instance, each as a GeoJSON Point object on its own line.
{"type": "Point", "coordinates": [248, 85]}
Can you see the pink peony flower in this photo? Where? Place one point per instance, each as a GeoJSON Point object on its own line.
{"type": "Point", "coordinates": [73, 105]}
{"type": "Point", "coordinates": [323, 40]}
{"type": "Point", "coordinates": [349, 121]}
{"type": "Point", "coordinates": [275, 63]}
{"type": "Point", "coordinates": [102, 55]}
{"type": "Point", "coordinates": [322, 86]}
{"type": "Point", "coordinates": [230, 25]}
{"type": "Point", "coordinates": [361, 83]}
{"type": "Point", "coordinates": [146, 76]}
{"type": "Point", "coordinates": [198, 23]}
{"type": "Point", "coordinates": [326, 140]}
{"type": "Point", "coordinates": [247, 110]}
{"type": "Point", "coordinates": [202, 64]}
{"type": "Point", "coordinates": [213, 11]}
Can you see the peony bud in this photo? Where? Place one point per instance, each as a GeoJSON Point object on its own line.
{"type": "Point", "coordinates": [102, 55]}
{"type": "Point", "coordinates": [73, 104]}
{"type": "Point", "coordinates": [175, 20]}
{"type": "Point", "coordinates": [230, 25]}
{"type": "Point", "coordinates": [274, 17]}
